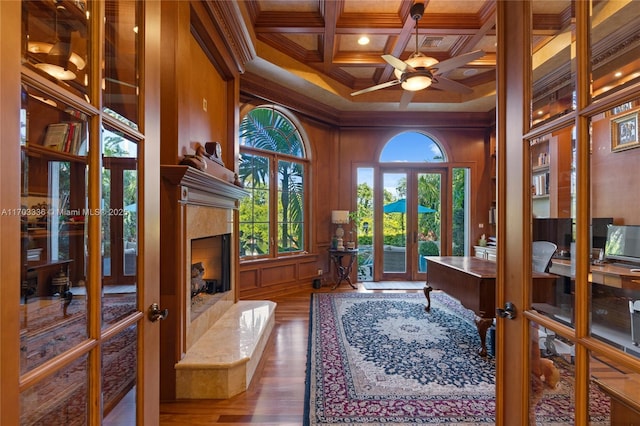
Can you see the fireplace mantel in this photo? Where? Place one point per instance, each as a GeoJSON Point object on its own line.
{"type": "Point", "coordinates": [203, 189]}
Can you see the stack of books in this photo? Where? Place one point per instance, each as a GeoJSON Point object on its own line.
{"type": "Point", "coordinates": [66, 137]}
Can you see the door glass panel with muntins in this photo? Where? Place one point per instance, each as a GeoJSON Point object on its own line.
{"type": "Point", "coordinates": [119, 226]}
{"type": "Point", "coordinates": [119, 359]}
{"type": "Point", "coordinates": [365, 223]}
{"type": "Point", "coordinates": [53, 229]}
{"type": "Point", "coordinates": [57, 36]}
{"type": "Point", "coordinates": [429, 238]}
{"type": "Point", "coordinates": [394, 222]}
{"type": "Point", "coordinates": [59, 400]}
{"type": "Point", "coordinates": [553, 223]}
{"type": "Point", "coordinates": [121, 87]}
{"type": "Point", "coordinates": [615, 269]}
{"type": "Point", "coordinates": [614, 29]}
{"type": "Point", "coordinates": [552, 62]}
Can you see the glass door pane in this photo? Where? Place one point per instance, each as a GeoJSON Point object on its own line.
{"type": "Point", "coordinates": [394, 223]}
{"type": "Point", "coordinates": [365, 223]}
{"type": "Point", "coordinates": [553, 194]}
{"type": "Point", "coordinates": [429, 224]}
{"type": "Point", "coordinates": [120, 286]}
{"type": "Point", "coordinates": [53, 230]}
{"type": "Point", "coordinates": [130, 221]}
{"type": "Point", "coordinates": [121, 87]}
{"type": "Point", "coordinates": [56, 38]}
{"type": "Point", "coordinates": [615, 232]}
{"type": "Point", "coordinates": [120, 226]}
{"type": "Point", "coordinates": [553, 62]}
{"type": "Point", "coordinates": [460, 213]}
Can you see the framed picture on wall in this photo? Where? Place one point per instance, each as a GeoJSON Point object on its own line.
{"type": "Point", "coordinates": [624, 132]}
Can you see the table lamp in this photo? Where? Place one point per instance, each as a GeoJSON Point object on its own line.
{"type": "Point", "coordinates": [339, 217]}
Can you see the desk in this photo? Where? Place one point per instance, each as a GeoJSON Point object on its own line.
{"type": "Point", "coordinates": [343, 271]}
{"type": "Point", "coordinates": [473, 282]}
{"type": "Point", "coordinates": [606, 274]}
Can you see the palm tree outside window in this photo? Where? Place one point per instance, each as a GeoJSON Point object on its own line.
{"type": "Point", "coordinates": [273, 169]}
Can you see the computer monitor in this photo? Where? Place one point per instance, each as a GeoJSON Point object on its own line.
{"type": "Point", "coordinates": [599, 227]}
{"type": "Point", "coordinates": [623, 243]}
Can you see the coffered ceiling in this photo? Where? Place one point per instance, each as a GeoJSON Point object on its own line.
{"type": "Point", "coordinates": [311, 47]}
{"type": "Point", "coordinates": [308, 52]}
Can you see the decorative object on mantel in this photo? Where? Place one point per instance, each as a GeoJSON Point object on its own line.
{"type": "Point", "coordinates": [237, 181]}
{"type": "Point", "coordinates": [196, 161]}
{"type": "Point", "coordinates": [214, 152]}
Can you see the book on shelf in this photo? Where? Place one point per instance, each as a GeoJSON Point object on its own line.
{"type": "Point", "coordinates": [65, 137]}
{"type": "Point", "coordinates": [56, 136]}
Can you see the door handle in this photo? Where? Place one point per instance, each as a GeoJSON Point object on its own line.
{"type": "Point", "coordinates": [155, 313]}
{"type": "Point", "coordinates": [509, 311]}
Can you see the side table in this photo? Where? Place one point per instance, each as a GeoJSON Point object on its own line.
{"type": "Point", "coordinates": [343, 268]}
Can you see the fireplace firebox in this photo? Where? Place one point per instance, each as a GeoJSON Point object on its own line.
{"type": "Point", "coordinates": [213, 255]}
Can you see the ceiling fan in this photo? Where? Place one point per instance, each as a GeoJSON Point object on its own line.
{"type": "Point", "coordinates": [419, 71]}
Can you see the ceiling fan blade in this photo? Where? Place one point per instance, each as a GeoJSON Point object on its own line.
{"type": "Point", "coordinates": [457, 61]}
{"type": "Point", "coordinates": [443, 83]}
{"type": "Point", "coordinates": [398, 64]}
{"type": "Point", "coordinates": [407, 95]}
{"type": "Point", "coordinates": [376, 87]}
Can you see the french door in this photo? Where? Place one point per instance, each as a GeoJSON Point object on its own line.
{"type": "Point", "coordinates": [411, 225]}
{"type": "Point", "coordinates": [567, 178]}
{"type": "Point", "coordinates": [72, 351]}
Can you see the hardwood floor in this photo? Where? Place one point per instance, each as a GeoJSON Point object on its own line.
{"type": "Point", "coordinates": [276, 394]}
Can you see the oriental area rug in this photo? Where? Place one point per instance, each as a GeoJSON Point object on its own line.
{"type": "Point", "coordinates": [380, 358]}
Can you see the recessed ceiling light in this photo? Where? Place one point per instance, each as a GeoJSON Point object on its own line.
{"type": "Point", "coordinates": [363, 40]}
{"type": "Point", "coordinates": [469, 72]}
{"type": "Point", "coordinates": [618, 74]}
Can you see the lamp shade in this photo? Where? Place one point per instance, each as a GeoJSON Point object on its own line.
{"type": "Point", "coordinates": [419, 79]}
{"type": "Point", "coordinates": [340, 216]}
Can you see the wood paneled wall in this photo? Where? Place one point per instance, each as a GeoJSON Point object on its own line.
{"type": "Point", "coordinates": [335, 154]}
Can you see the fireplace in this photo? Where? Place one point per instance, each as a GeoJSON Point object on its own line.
{"type": "Point", "coordinates": [197, 225]}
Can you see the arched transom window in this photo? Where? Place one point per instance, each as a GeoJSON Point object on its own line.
{"type": "Point", "coordinates": [273, 169]}
{"type": "Point", "coordinates": [412, 147]}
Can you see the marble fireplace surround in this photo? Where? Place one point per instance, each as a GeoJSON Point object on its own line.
{"type": "Point", "coordinates": [223, 340]}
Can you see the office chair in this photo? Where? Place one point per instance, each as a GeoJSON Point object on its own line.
{"type": "Point", "coordinates": [541, 254]}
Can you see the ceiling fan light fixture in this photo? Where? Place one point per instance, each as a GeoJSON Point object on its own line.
{"type": "Point", "coordinates": [418, 62]}
{"type": "Point", "coordinates": [416, 82]}
{"type": "Point", "coordinates": [55, 64]}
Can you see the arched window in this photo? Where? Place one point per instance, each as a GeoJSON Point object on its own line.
{"type": "Point", "coordinates": [273, 168]}
{"type": "Point", "coordinates": [412, 147]}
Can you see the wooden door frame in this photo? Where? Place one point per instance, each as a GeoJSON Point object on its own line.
{"type": "Point", "coordinates": [148, 396]}
{"type": "Point", "coordinates": [512, 336]}
{"type": "Point", "coordinates": [10, 39]}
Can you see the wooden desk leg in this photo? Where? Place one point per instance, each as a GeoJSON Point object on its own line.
{"type": "Point", "coordinates": [483, 325]}
{"type": "Point", "coordinates": [427, 293]}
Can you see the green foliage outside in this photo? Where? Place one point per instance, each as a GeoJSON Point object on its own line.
{"type": "Point", "coordinates": [428, 248]}
{"type": "Point", "coordinates": [429, 189]}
